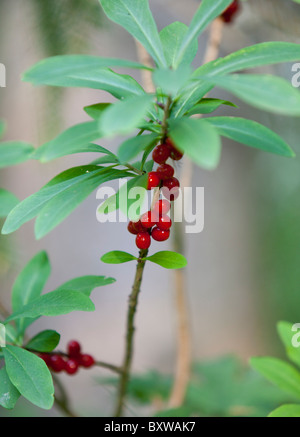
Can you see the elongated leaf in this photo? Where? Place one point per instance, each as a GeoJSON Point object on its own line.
{"type": "Point", "coordinates": [171, 81]}
{"type": "Point", "coordinates": [117, 257]}
{"type": "Point", "coordinates": [63, 69]}
{"type": "Point", "coordinates": [8, 392]}
{"type": "Point", "coordinates": [56, 303]}
{"type": "Point", "coordinates": [14, 152]}
{"type": "Point", "coordinates": [7, 202]}
{"type": "Point", "coordinates": [172, 37]}
{"type": "Point", "coordinates": [45, 341]}
{"type": "Point", "coordinates": [137, 19]}
{"type": "Point", "coordinates": [289, 410]}
{"type": "Point", "coordinates": [30, 375]}
{"type": "Point", "coordinates": [133, 146]}
{"type": "Point", "coordinates": [63, 203]}
{"type": "Point", "coordinates": [125, 116]}
{"type": "Point", "coordinates": [252, 134]}
{"type": "Point", "coordinates": [249, 57]}
{"type": "Point", "coordinates": [86, 284]}
{"type": "Point", "coordinates": [287, 333]}
{"type": "Point", "coordinates": [168, 260]}
{"type": "Point", "coordinates": [197, 139]}
{"type": "Point", "coordinates": [95, 111]}
{"type": "Point", "coordinates": [207, 106]}
{"type": "Point", "coordinates": [266, 92]}
{"type": "Point", "coordinates": [279, 372]}
{"type": "Point", "coordinates": [205, 14]}
{"type": "Point", "coordinates": [74, 140]}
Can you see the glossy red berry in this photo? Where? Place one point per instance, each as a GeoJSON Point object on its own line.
{"type": "Point", "coordinates": [164, 222]}
{"type": "Point", "coordinates": [162, 207]}
{"type": "Point", "coordinates": [57, 363]}
{"type": "Point", "coordinates": [71, 366]}
{"type": "Point", "coordinates": [171, 194]}
{"type": "Point", "coordinates": [165, 171]}
{"type": "Point", "coordinates": [175, 154]}
{"type": "Point", "coordinates": [86, 361]}
{"type": "Point", "coordinates": [46, 358]}
{"type": "Point", "coordinates": [160, 234]}
{"type": "Point", "coordinates": [149, 219]}
{"type": "Point", "coordinates": [161, 154]}
{"type": "Point", "coordinates": [143, 240]}
{"type": "Point", "coordinates": [131, 228]}
{"type": "Point", "coordinates": [73, 348]}
{"type": "Point", "coordinates": [231, 11]}
{"type": "Point", "coordinates": [153, 180]}
{"type": "Point", "coordinates": [171, 183]}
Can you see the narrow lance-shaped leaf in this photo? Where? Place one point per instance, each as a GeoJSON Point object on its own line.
{"type": "Point", "coordinates": [206, 13]}
{"type": "Point", "coordinates": [171, 81]}
{"type": "Point", "coordinates": [86, 284]}
{"type": "Point", "coordinates": [168, 260]}
{"type": "Point", "coordinates": [45, 341]}
{"type": "Point", "coordinates": [289, 410]}
{"type": "Point", "coordinates": [198, 140]}
{"type": "Point", "coordinates": [266, 92]}
{"type": "Point", "coordinates": [252, 134]}
{"type": "Point", "coordinates": [95, 111]}
{"type": "Point", "coordinates": [7, 202]}
{"type": "Point", "coordinates": [207, 106]}
{"type": "Point", "coordinates": [117, 257]}
{"type": "Point", "coordinates": [30, 375]}
{"type": "Point", "coordinates": [136, 18]}
{"type": "Point", "coordinates": [8, 392]}
{"type": "Point", "coordinates": [14, 152]}
{"type": "Point", "coordinates": [133, 146]}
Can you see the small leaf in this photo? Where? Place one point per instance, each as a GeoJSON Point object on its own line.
{"type": "Point", "coordinates": [30, 375]}
{"type": "Point", "coordinates": [8, 392]}
{"type": "Point", "coordinates": [123, 117]}
{"type": "Point", "coordinates": [117, 257]}
{"type": "Point", "coordinates": [95, 111]}
{"type": "Point", "coordinates": [197, 139]}
{"type": "Point", "coordinates": [7, 202]}
{"type": "Point", "coordinates": [171, 37]}
{"type": "Point", "coordinates": [171, 81]}
{"type": "Point", "coordinates": [279, 372]}
{"type": "Point", "coordinates": [14, 152]}
{"type": "Point", "coordinates": [133, 146]}
{"type": "Point", "coordinates": [252, 134]}
{"type": "Point", "coordinates": [86, 284]}
{"type": "Point", "coordinates": [207, 106]}
{"type": "Point", "coordinates": [289, 410]}
{"type": "Point", "coordinates": [45, 341]}
{"type": "Point", "coordinates": [168, 260]}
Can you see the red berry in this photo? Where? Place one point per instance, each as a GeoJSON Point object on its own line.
{"type": "Point", "coordinates": [160, 234]}
{"type": "Point", "coordinates": [175, 154]}
{"type": "Point", "coordinates": [171, 183]}
{"type": "Point", "coordinates": [171, 194]}
{"type": "Point", "coordinates": [164, 222]}
{"type": "Point", "coordinates": [86, 361]}
{"type": "Point", "coordinates": [131, 228]}
{"type": "Point", "coordinates": [161, 154]}
{"type": "Point", "coordinates": [149, 219]}
{"type": "Point", "coordinates": [153, 180]}
{"type": "Point", "coordinates": [165, 171]}
{"type": "Point", "coordinates": [46, 358]}
{"type": "Point", "coordinates": [231, 11]}
{"type": "Point", "coordinates": [71, 366]}
{"type": "Point", "coordinates": [73, 348]}
{"type": "Point", "coordinates": [162, 207]}
{"type": "Point", "coordinates": [143, 240]}
{"type": "Point", "coordinates": [57, 363]}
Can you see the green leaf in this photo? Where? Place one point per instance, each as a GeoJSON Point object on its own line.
{"type": "Point", "coordinates": [117, 257]}
{"type": "Point", "coordinates": [8, 392]}
{"type": "Point", "coordinates": [168, 260]}
{"type": "Point", "coordinates": [286, 333]}
{"type": "Point", "coordinates": [206, 13]}
{"type": "Point", "coordinates": [172, 37]}
{"type": "Point", "coordinates": [45, 341]}
{"type": "Point", "coordinates": [289, 410]}
{"type": "Point", "coordinates": [86, 284]}
{"type": "Point", "coordinates": [123, 117]}
{"type": "Point", "coordinates": [198, 140]}
{"type": "Point", "coordinates": [70, 70]}
{"type": "Point", "coordinates": [207, 106]}
{"type": "Point", "coordinates": [137, 19]}
{"type": "Point", "coordinates": [14, 152]}
{"type": "Point", "coordinates": [76, 139]}
{"type": "Point", "coordinates": [30, 375]}
{"type": "Point", "coordinates": [171, 81]}
{"type": "Point", "coordinates": [279, 373]}
{"type": "Point", "coordinates": [266, 92]}
{"type": "Point", "coordinates": [52, 304]}
{"type": "Point", "coordinates": [95, 111]}
{"type": "Point", "coordinates": [2, 128]}
{"type": "Point", "coordinates": [133, 146]}
{"type": "Point", "coordinates": [7, 202]}
{"type": "Point", "coordinates": [252, 134]}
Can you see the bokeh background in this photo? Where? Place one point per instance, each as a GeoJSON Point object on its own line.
{"type": "Point", "coordinates": [243, 272]}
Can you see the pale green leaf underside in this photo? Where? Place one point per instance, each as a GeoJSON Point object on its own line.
{"type": "Point", "coordinates": [7, 202]}
{"type": "Point", "coordinates": [14, 152]}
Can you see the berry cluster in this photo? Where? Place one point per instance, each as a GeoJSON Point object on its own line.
{"type": "Point", "coordinates": [69, 362]}
{"type": "Point", "coordinates": [156, 223]}
{"type": "Point", "coordinates": [231, 11]}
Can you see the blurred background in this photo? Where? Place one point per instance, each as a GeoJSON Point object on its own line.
{"type": "Point", "coordinates": [243, 271]}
